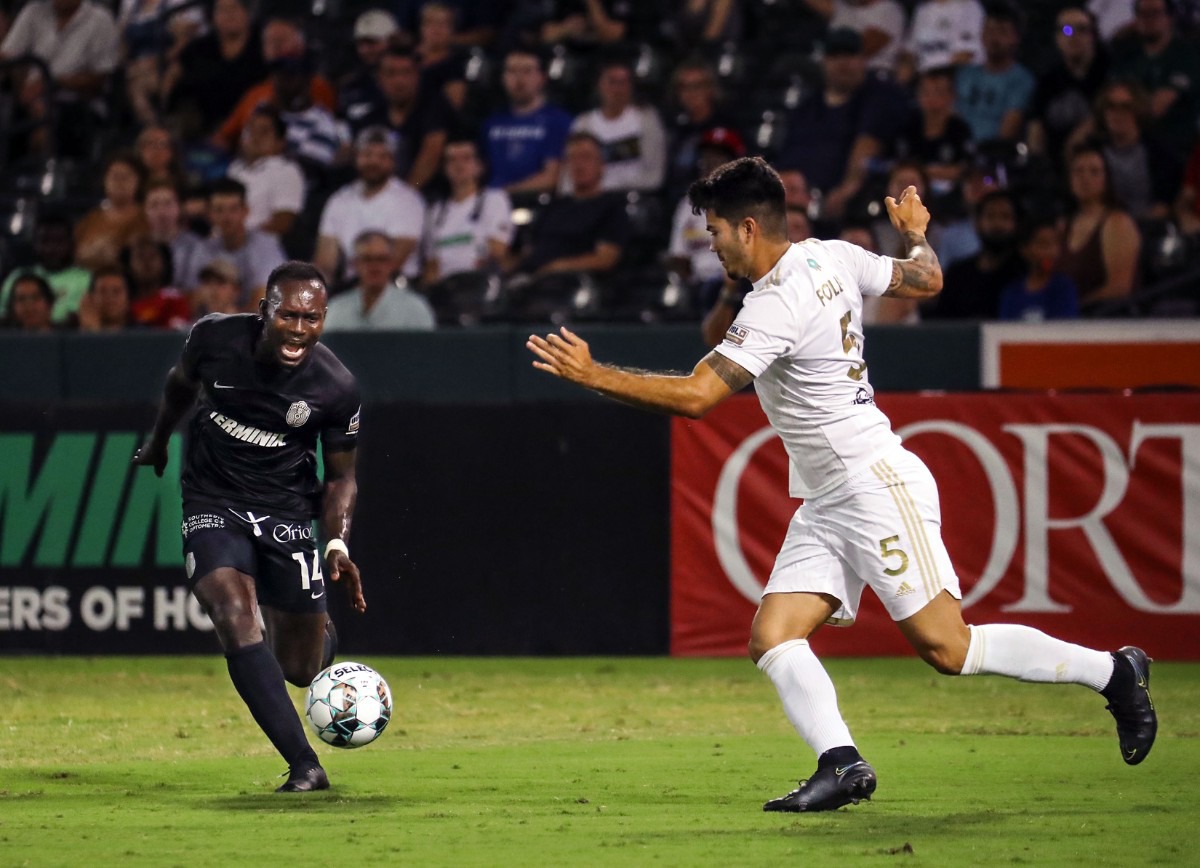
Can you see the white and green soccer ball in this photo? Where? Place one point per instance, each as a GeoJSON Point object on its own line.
{"type": "Point", "coordinates": [348, 705]}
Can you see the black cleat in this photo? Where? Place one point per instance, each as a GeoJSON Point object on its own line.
{"type": "Point", "coordinates": [1137, 722]}
{"type": "Point", "coordinates": [828, 789]}
{"type": "Point", "coordinates": [304, 779]}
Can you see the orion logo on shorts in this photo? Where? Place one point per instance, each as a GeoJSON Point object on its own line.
{"type": "Point", "coordinates": [737, 334]}
{"type": "Point", "coordinates": [247, 433]}
{"type": "Point", "coordinates": [298, 414]}
{"type": "Point", "coordinates": [291, 532]}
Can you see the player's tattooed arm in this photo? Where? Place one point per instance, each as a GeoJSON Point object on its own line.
{"type": "Point", "coordinates": [918, 276]}
{"type": "Point", "coordinates": [731, 373]}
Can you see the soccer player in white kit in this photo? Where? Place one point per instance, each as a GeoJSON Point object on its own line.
{"type": "Point", "coordinates": [870, 515]}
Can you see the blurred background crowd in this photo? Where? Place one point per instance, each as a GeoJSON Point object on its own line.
{"type": "Point", "coordinates": [450, 163]}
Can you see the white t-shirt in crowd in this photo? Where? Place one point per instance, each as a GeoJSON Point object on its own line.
{"type": "Point", "coordinates": [457, 233]}
{"type": "Point", "coordinates": [690, 240]}
{"type": "Point", "coordinates": [272, 184]}
{"type": "Point", "coordinates": [941, 29]}
{"type": "Point", "coordinates": [885, 15]}
{"type": "Point", "coordinates": [397, 210]}
{"type": "Point", "coordinates": [635, 148]}
{"type": "Point", "coordinates": [800, 334]}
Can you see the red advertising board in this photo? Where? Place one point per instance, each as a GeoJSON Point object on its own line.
{"type": "Point", "coordinates": [1076, 514]}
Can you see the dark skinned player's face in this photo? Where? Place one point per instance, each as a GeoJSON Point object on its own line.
{"type": "Point", "coordinates": [293, 318]}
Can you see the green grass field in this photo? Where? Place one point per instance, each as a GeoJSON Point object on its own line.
{"type": "Point", "coordinates": [155, 761]}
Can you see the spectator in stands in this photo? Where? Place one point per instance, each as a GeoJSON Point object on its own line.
{"type": "Point", "coordinates": [700, 25]}
{"type": "Point", "coordinates": [218, 289]}
{"type": "Point", "coordinates": [880, 23]}
{"type": "Point", "coordinates": [421, 120]}
{"type": "Point", "coordinates": [958, 238]}
{"type": "Point", "coordinates": [1114, 18]}
{"type": "Point", "coordinates": [54, 261]}
{"type": "Point", "coordinates": [1187, 203]}
{"type": "Point", "coordinates": [1043, 292]}
{"type": "Point", "coordinates": [836, 132]}
{"type": "Point", "coordinates": [937, 137]}
{"type": "Point", "coordinates": [584, 231]}
{"type": "Point", "coordinates": [1168, 68]}
{"type": "Point", "coordinates": [153, 34]}
{"type": "Point", "coordinates": [107, 305]}
{"type": "Point", "coordinates": [378, 302]}
{"type": "Point", "coordinates": [358, 92]}
{"type": "Point", "coordinates": [1101, 243]}
{"type": "Point", "coordinates": [1065, 93]}
{"type": "Point", "coordinates": [587, 23]}
{"type": "Point", "coordinates": [941, 33]}
{"type": "Point", "coordinates": [376, 200]}
{"type": "Point", "coordinates": [524, 144]}
{"type": "Point", "coordinates": [689, 252]}
{"type": "Point", "coordinates": [108, 227]}
{"type": "Point", "coordinates": [78, 42]}
{"type": "Point", "coordinates": [469, 229]}
{"type": "Point", "coordinates": [211, 74]}
{"type": "Point", "coordinates": [631, 135]}
{"type": "Point", "coordinates": [29, 304]}
{"type": "Point", "coordinates": [442, 62]}
{"type": "Point", "coordinates": [274, 184]}
{"type": "Point", "coordinates": [159, 155]}
{"type": "Point", "coordinates": [994, 96]}
{"type": "Point", "coordinates": [253, 251]}
{"type": "Point", "coordinates": [1145, 173]}
{"type": "Point", "coordinates": [971, 287]}
{"type": "Point", "coordinates": [902, 175]}
{"type": "Point", "coordinates": [289, 66]}
{"type": "Point", "coordinates": [157, 303]}
{"type": "Point", "coordinates": [694, 87]}
{"type": "Point", "coordinates": [165, 221]}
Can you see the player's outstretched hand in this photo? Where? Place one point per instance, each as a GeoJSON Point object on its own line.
{"type": "Point", "coordinates": [566, 355]}
{"type": "Point", "coordinates": [908, 214]}
{"type": "Point", "coordinates": [151, 454]}
{"type": "Point", "coordinates": [338, 567]}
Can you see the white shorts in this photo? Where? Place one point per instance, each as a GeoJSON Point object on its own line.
{"type": "Point", "coordinates": [882, 528]}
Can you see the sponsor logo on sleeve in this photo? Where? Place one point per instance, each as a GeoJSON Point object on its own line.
{"type": "Point", "coordinates": [352, 428]}
{"type": "Point", "coordinates": [737, 334]}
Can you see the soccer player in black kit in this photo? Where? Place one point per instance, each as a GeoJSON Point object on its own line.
{"type": "Point", "coordinates": [266, 389]}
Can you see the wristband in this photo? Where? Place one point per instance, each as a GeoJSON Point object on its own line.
{"type": "Point", "coordinates": [336, 545]}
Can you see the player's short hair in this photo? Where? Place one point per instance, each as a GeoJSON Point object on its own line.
{"type": "Point", "coordinates": [745, 187]}
{"type": "Point", "coordinates": [295, 270]}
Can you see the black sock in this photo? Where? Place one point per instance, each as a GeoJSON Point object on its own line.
{"type": "Point", "coordinates": [330, 645]}
{"type": "Point", "coordinates": [839, 756]}
{"type": "Point", "coordinates": [1121, 680]}
{"type": "Point", "coordinates": [259, 681]}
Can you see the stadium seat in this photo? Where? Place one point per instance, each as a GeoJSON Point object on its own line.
{"type": "Point", "coordinates": [468, 298]}
{"type": "Point", "coordinates": [555, 298]}
{"type": "Point", "coordinates": [652, 295]}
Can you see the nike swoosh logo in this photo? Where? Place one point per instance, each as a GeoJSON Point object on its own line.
{"type": "Point", "coordinates": [1130, 754]}
{"type": "Point", "coordinates": [318, 596]}
{"type": "Point", "coordinates": [217, 385]}
{"type": "Point", "coordinates": [841, 771]}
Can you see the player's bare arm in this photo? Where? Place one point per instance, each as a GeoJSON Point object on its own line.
{"type": "Point", "coordinates": [178, 395]}
{"type": "Point", "coordinates": [568, 357]}
{"type": "Point", "coordinates": [919, 275]}
{"type": "Point", "coordinates": [337, 511]}
{"type": "Point", "coordinates": [731, 373]}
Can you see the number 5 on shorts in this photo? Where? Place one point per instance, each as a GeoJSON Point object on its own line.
{"type": "Point", "coordinates": [885, 552]}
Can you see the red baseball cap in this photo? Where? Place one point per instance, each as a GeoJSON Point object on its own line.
{"type": "Point", "coordinates": [725, 138]}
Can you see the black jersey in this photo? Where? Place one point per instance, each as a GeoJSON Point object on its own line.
{"type": "Point", "coordinates": [253, 440]}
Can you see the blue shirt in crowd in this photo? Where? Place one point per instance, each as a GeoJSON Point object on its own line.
{"type": "Point", "coordinates": [518, 146]}
{"type": "Point", "coordinates": [1058, 299]}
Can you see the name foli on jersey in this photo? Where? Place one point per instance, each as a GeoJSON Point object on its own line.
{"type": "Point", "coordinates": [246, 433]}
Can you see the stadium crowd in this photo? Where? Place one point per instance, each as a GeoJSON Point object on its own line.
{"type": "Point", "coordinates": [455, 162]}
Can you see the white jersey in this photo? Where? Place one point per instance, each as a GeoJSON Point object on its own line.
{"type": "Point", "coordinates": [800, 334]}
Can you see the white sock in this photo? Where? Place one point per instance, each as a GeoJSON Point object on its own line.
{"type": "Point", "coordinates": [809, 699]}
{"type": "Point", "coordinates": [1031, 655]}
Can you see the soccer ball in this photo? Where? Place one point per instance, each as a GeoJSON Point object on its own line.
{"type": "Point", "coordinates": [348, 705]}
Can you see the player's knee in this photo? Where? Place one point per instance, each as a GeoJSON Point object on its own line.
{"type": "Point", "coordinates": [946, 660]}
{"type": "Point", "coordinates": [299, 670]}
{"type": "Point", "coordinates": [762, 641]}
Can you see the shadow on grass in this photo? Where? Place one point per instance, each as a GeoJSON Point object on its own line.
{"type": "Point", "coordinates": [325, 802]}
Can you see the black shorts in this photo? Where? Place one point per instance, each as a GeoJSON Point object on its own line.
{"type": "Point", "coordinates": [280, 553]}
